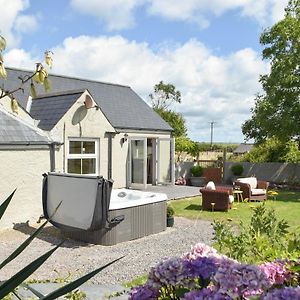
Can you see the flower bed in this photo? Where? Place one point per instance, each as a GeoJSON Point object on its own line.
{"type": "Point", "coordinates": [203, 273]}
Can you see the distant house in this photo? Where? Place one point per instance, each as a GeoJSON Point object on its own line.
{"type": "Point", "coordinates": [243, 148]}
{"type": "Point", "coordinates": [82, 127]}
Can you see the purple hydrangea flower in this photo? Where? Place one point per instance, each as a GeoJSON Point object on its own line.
{"type": "Point", "coordinates": [206, 294]}
{"type": "Point", "coordinates": [237, 279]}
{"type": "Point", "coordinates": [204, 267]}
{"type": "Point", "coordinates": [288, 293]}
{"type": "Point", "coordinates": [172, 271]}
{"type": "Point", "coordinates": [144, 292]}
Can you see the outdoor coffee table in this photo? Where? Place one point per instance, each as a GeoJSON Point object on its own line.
{"type": "Point", "coordinates": [238, 195]}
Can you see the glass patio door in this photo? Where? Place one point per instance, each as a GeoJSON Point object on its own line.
{"type": "Point", "coordinates": [137, 167]}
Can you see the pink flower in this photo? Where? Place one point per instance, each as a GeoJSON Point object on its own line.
{"type": "Point", "coordinates": [200, 250]}
{"type": "Point", "coordinates": [276, 272]}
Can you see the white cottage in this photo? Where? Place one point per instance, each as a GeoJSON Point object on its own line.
{"type": "Point", "coordinates": [84, 127]}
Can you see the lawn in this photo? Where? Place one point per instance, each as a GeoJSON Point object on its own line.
{"type": "Point", "coordinates": [286, 206]}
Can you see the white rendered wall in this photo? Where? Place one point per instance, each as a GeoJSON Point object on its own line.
{"type": "Point", "coordinates": [22, 169]}
{"type": "Point", "coordinates": [94, 125]}
{"type": "Point", "coordinates": [6, 104]}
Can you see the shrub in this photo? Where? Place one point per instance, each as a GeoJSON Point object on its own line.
{"type": "Point", "coordinates": [203, 273]}
{"type": "Point", "coordinates": [170, 211]}
{"type": "Point", "coordinates": [273, 150]}
{"type": "Point", "coordinates": [237, 169]}
{"type": "Point", "coordinates": [197, 171]}
{"type": "Point", "coordinates": [264, 239]}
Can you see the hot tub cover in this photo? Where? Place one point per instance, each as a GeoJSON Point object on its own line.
{"type": "Point", "coordinates": [84, 201]}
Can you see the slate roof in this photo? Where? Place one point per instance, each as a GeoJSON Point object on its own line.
{"type": "Point", "coordinates": [15, 131]}
{"type": "Point", "coordinates": [51, 108]}
{"type": "Point", "coordinates": [123, 108]}
{"type": "Point", "coordinates": [243, 148]}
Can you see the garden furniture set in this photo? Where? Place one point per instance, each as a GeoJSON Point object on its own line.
{"type": "Point", "coordinates": [221, 198]}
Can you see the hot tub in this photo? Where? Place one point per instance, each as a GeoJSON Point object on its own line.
{"type": "Point", "coordinates": [124, 198]}
{"type": "Point", "coordinates": [143, 213]}
{"type": "Point", "coordinates": [86, 216]}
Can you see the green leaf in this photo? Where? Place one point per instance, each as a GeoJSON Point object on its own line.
{"type": "Point", "coordinates": [180, 292]}
{"type": "Point", "coordinates": [9, 285]}
{"type": "Point", "coordinates": [4, 205]}
{"type": "Point", "coordinates": [76, 283]}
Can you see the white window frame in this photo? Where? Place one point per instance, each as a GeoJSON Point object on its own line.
{"type": "Point", "coordinates": [95, 155]}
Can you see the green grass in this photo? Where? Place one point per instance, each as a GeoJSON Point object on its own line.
{"type": "Point", "coordinates": [140, 280]}
{"type": "Point", "coordinates": [286, 206]}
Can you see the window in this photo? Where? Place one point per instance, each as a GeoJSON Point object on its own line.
{"type": "Point", "coordinates": [83, 156]}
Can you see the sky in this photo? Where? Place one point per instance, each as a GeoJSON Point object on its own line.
{"type": "Point", "coordinates": [209, 50]}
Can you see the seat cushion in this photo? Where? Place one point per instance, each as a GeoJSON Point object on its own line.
{"type": "Point", "coordinates": [252, 181]}
{"type": "Point", "coordinates": [230, 198]}
{"type": "Point", "coordinates": [211, 185]}
{"type": "Point", "coordinates": [257, 192]}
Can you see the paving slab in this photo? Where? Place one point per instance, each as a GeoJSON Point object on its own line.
{"type": "Point", "coordinates": [175, 191]}
{"type": "Point", "coordinates": [92, 291]}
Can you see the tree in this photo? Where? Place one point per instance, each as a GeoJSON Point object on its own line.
{"type": "Point", "coordinates": [183, 146]}
{"type": "Point", "coordinates": [273, 150]}
{"type": "Point", "coordinates": [175, 120]}
{"type": "Point", "coordinates": [164, 95]}
{"type": "Point", "coordinates": [277, 109]}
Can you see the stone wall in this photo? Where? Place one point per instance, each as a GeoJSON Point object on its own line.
{"type": "Point", "coordinates": [273, 172]}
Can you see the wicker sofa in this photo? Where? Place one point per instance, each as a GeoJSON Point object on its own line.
{"type": "Point", "coordinates": [253, 189]}
{"type": "Point", "coordinates": [219, 196]}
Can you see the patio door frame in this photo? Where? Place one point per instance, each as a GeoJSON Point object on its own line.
{"type": "Point", "coordinates": [142, 185]}
{"type": "Point", "coordinates": [156, 162]}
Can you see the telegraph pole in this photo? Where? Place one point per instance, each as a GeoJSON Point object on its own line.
{"type": "Point", "coordinates": [211, 133]}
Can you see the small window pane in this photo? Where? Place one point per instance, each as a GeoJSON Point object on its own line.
{"type": "Point", "coordinates": [75, 147]}
{"type": "Point", "coordinates": [88, 147]}
{"type": "Point", "coordinates": [89, 166]}
{"type": "Point", "coordinates": [74, 166]}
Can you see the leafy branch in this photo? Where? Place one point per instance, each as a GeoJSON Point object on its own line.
{"type": "Point", "coordinates": [39, 76]}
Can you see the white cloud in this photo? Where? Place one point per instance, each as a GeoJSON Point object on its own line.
{"type": "Point", "coordinates": [117, 14]}
{"type": "Point", "coordinates": [13, 23]}
{"type": "Point", "coordinates": [19, 58]}
{"type": "Point", "coordinates": [25, 24]}
{"type": "Point", "coordinates": [265, 12]}
{"type": "Point", "coordinates": [214, 88]}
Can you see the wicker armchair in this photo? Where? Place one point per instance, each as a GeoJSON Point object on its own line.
{"type": "Point", "coordinates": [253, 189]}
{"type": "Point", "coordinates": [219, 196]}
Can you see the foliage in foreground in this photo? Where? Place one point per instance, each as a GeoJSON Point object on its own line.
{"type": "Point", "coordinates": [205, 274]}
{"type": "Point", "coordinates": [10, 286]}
{"type": "Point", "coordinates": [264, 239]}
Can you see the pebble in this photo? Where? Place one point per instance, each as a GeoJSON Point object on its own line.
{"type": "Point", "coordinates": [73, 259]}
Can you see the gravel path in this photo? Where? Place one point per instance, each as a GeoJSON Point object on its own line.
{"type": "Point", "coordinates": [78, 258]}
